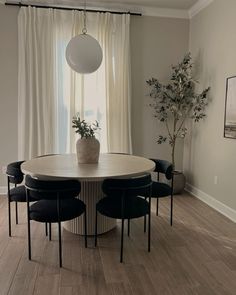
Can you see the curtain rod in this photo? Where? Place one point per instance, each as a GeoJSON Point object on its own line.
{"type": "Point", "coordinates": [70, 8]}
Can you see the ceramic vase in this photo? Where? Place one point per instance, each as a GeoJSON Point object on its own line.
{"type": "Point", "coordinates": [88, 150]}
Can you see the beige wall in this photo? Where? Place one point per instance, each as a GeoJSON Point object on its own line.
{"type": "Point", "coordinates": [208, 153]}
{"type": "Point", "coordinates": [156, 44]}
{"type": "Point", "coordinates": [8, 87]}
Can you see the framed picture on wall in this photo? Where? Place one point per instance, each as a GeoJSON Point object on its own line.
{"type": "Point", "coordinates": [230, 108]}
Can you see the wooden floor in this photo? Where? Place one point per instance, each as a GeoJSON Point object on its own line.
{"type": "Point", "coordinates": [195, 256]}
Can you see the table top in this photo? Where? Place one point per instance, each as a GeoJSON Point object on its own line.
{"type": "Point", "coordinates": [66, 167]}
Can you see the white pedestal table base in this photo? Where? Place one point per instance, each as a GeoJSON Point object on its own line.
{"type": "Point", "coordinates": [91, 193]}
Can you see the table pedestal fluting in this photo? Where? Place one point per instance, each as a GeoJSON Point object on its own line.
{"type": "Point", "coordinates": [90, 194]}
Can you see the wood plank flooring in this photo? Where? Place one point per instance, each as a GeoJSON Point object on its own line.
{"type": "Point", "coordinates": [195, 256]}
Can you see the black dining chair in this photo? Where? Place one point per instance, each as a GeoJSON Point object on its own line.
{"type": "Point", "coordinates": [122, 201]}
{"type": "Point", "coordinates": [17, 193]}
{"type": "Point", "coordinates": [48, 226]}
{"type": "Point", "coordinates": [160, 188]}
{"type": "Point", "coordinates": [55, 202]}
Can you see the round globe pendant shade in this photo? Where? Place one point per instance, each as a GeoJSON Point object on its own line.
{"type": "Point", "coordinates": [84, 54]}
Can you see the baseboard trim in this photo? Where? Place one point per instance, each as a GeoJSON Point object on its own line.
{"type": "Point", "coordinates": [3, 190]}
{"type": "Point", "coordinates": [209, 200]}
{"type": "Point", "coordinates": [212, 202]}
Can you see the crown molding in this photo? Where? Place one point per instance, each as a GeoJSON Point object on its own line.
{"type": "Point", "coordinates": [200, 5]}
{"type": "Point", "coordinates": [144, 10]}
{"type": "Point", "coordinates": [164, 12]}
{"type": "Point", "coordinates": [155, 11]}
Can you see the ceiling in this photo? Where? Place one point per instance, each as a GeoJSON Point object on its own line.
{"type": "Point", "coordinates": [169, 4]}
{"type": "Point", "coordinates": [173, 4]}
{"type": "Point", "coordinates": [185, 9]}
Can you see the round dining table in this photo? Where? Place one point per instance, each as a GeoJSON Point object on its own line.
{"type": "Point", "coordinates": [91, 176]}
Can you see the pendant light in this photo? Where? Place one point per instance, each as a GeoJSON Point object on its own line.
{"type": "Point", "coordinates": [83, 52]}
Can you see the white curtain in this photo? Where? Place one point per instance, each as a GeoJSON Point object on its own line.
{"type": "Point", "coordinates": [50, 93]}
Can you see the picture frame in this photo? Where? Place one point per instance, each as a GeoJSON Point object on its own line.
{"type": "Point", "coordinates": [230, 108]}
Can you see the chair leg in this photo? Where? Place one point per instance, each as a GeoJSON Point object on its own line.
{"type": "Point", "coordinates": [9, 217]}
{"type": "Point", "coordinates": [16, 207]}
{"type": "Point", "coordinates": [60, 248]}
{"type": "Point", "coordinates": [29, 241]}
{"type": "Point", "coordinates": [29, 234]}
{"type": "Point", "coordinates": [171, 210]}
{"type": "Point", "coordinates": [46, 229]}
{"type": "Point", "coordinates": [128, 227]}
{"type": "Point", "coordinates": [96, 228]}
{"type": "Point", "coordinates": [157, 207]}
{"type": "Point", "coordinates": [50, 231]}
{"type": "Point", "coordinates": [149, 231]}
{"type": "Point", "coordinates": [85, 228]}
{"type": "Point", "coordinates": [122, 241]}
{"type": "Point", "coordinates": [145, 223]}
{"type": "Point", "coordinates": [149, 224]}
{"type": "Point", "coordinates": [145, 220]}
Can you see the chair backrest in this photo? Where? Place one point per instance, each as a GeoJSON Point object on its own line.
{"type": "Point", "coordinates": [164, 167]}
{"type": "Point", "coordinates": [14, 172]}
{"type": "Point", "coordinates": [127, 187]}
{"type": "Point", "coordinates": [52, 189]}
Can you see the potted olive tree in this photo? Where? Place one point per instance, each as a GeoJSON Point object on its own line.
{"type": "Point", "coordinates": [177, 101]}
{"type": "Point", "coordinates": [87, 147]}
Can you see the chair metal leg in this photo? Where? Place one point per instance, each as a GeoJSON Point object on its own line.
{"type": "Point", "coordinates": [50, 231]}
{"type": "Point", "coordinates": [9, 217]}
{"type": "Point", "coordinates": [145, 220]}
{"type": "Point", "coordinates": [46, 229]}
{"type": "Point", "coordinates": [96, 228]}
{"type": "Point", "coordinates": [157, 209]}
{"type": "Point", "coordinates": [28, 224]}
{"type": "Point", "coordinates": [16, 207]}
{"type": "Point", "coordinates": [145, 223]}
{"type": "Point", "coordinates": [60, 247]}
{"type": "Point", "coordinates": [171, 210]}
{"type": "Point", "coordinates": [149, 226]}
{"type": "Point", "coordinates": [29, 241]}
{"type": "Point", "coordinates": [128, 227]}
{"type": "Point", "coordinates": [149, 232]}
{"type": "Point", "coordinates": [122, 240]}
{"type": "Point", "coordinates": [85, 228]}
{"type": "Point", "coordinates": [9, 206]}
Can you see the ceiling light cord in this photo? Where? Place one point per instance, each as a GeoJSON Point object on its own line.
{"type": "Point", "coordinates": [84, 31]}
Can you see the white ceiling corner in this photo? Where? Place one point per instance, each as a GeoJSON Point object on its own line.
{"type": "Point", "coordinates": [200, 5]}
{"type": "Point", "coordinates": [163, 12]}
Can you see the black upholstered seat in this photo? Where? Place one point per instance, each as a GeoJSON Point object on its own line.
{"type": "Point", "coordinates": [122, 201]}
{"type": "Point", "coordinates": [160, 189]}
{"type": "Point", "coordinates": [46, 210]}
{"type": "Point", "coordinates": [135, 207]}
{"type": "Point", "coordinates": [18, 194]}
{"type": "Point", "coordinates": [55, 201]}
